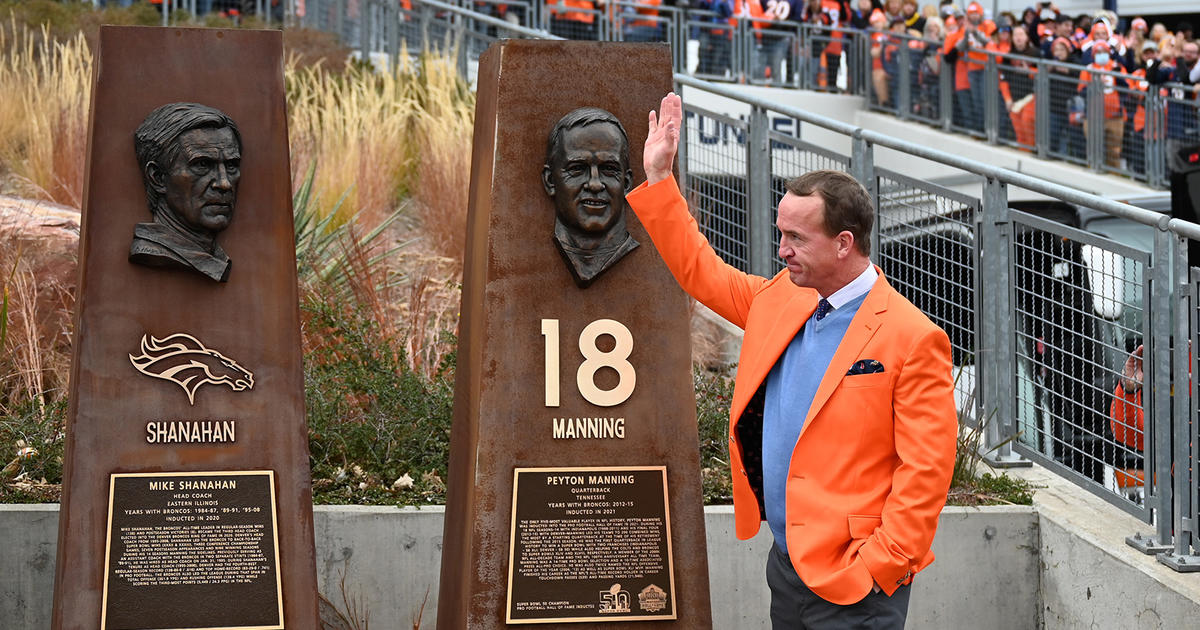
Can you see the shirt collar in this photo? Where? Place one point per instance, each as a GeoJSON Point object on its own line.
{"type": "Point", "coordinates": [855, 289]}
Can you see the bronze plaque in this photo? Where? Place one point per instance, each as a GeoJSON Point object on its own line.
{"type": "Point", "coordinates": [574, 348]}
{"type": "Point", "coordinates": [187, 351]}
{"type": "Point", "coordinates": [192, 539]}
{"type": "Point", "coordinates": [590, 544]}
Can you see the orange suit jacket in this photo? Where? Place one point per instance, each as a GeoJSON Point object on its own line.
{"type": "Point", "coordinates": [869, 474]}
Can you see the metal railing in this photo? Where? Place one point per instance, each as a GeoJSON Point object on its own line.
{"type": "Point", "coordinates": [1113, 123]}
{"type": "Point", "coordinates": [1041, 339]}
{"type": "Point", "coordinates": [1043, 303]}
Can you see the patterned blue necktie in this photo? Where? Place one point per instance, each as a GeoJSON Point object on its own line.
{"type": "Point", "coordinates": [823, 308]}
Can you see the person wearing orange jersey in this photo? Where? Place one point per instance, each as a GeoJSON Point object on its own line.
{"type": "Point", "coordinates": [572, 24]}
{"type": "Point", "coordinates": [1016, 85]}
{"type": "Point", "coordinates": [641, 23]}
{"type": "Point", "coordinates": [1114, 111]}
{"type": "Point", "coordinates": [879, 77]}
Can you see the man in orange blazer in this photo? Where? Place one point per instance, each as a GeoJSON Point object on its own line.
{"type": "Point", "coordinates": [843, 425]}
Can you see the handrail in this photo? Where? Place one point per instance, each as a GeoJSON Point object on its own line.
{"type": "Point", "coordinates": [1124, 210]}
{"type": "Point", "coordinates": [487, 19]}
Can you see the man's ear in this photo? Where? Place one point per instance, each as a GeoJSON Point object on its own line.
{"type": "Point", "coordinates": [845, 242]}
{"type": "Point", "coordinates": [628, 180]}
{"type": "Point", "coordinates": [547, 180]}
{"type": "Point", "coordinates": [157, 177]}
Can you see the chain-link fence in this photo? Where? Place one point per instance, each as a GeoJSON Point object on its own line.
{"type": "Point", "coordinates": [713, 153]}
{"type": "Point", "coordinates": [1080, 312]}
{"type": "Point", "coordinates": [928, 250]}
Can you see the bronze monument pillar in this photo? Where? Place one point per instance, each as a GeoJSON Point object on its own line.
{"type": "Point", "coordinates": [186, 494]}
{"type": "Point", "coordinates": [574, 488]}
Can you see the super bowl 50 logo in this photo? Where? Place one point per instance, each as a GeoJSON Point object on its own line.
{"type": "Point", "coordinates": [614, 600]}
{"type": "Point", "coordinates": [183, 360]}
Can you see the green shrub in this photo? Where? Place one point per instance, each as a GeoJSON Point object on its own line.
{"type": "Point", "coordinates": [31, 447]}
{"type": "Point", "coordinates": [372, 420]}
{"type": "Point", "coordinates": [714, 392]}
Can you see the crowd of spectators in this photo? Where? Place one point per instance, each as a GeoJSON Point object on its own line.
{"type": "Point", "coordinates": [1127, 56]}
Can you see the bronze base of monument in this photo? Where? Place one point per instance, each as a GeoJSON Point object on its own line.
{"type": "Point", "coordinates": [529, 400]}
{"type": "Point", "coordinates": [214, 470]}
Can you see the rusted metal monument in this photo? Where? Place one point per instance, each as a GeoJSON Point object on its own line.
{"type": "Point", "coordinates": [574, 481]}
{"type": "Point", "coordinates": [186, 492]}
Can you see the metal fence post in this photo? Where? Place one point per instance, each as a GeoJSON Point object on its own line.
{"type": "Point", "coordinates": [1041, 117]}
{"type": "Point", "coordinates": [758, 192]}
{"type": "Point", "coordinates": [366, 20]}
{"type": "Point", "coordinates": [1155, 131]}
{"type": "Point", "coordinates": [999, 358]}
{"type": "Point", "coordinates": [1157, 412]}
{"type": "Point", "coordinates": [1181, 558]}
{"type": "Point", "coordinates": [991, 100]}
{"type": "Point", "coordinates": [904, 107]}
{"type": "Point", "coordinates": [862, 168]}
{"type": "Point", "coordinates": [1094, 125]}
{"type": "Point", "coordinates": [945, 91]}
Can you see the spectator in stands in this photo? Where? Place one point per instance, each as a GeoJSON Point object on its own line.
{"type": "Point", "coordinates": [1031, 21]}
{"type": "Point", "coordinates": [1016, 85]}
{"type": "Point", "coordinates": [825, 44]}
{"type": "Point", "coordinates": [928, 103]}
{"type": "Point", "coordinates": [1148, 74]}
{"type": "Point", "coordinates": [879, 79]}
{"type": "Point", "coordinates": [1156, 33]}
{"type": "Point", "coordinates": [1101, 33]}
{"type": "Point", "coordinates": [1183, 128]}
{"type": "Point", "coordinates": [913, 20]}
{"type": "Point", "coordinates": [893, 9]}
{"type": "Point", "coordinates": [892, 58]}
{"type": "Point", "coordinates": [1114, 112]}
{"type": "Point", "coordinates": [1065, 134]}
{"type": "Point", "coordinates": [1064, 26]}
{"type": "Point", "coordinates": [1083, 27]}
{"type": "Point", "coordinates": [1125, 415]}
{"type": "Point", "coordinates": [969, 43]}
{"type": "Point", "coordinates": [1000, 45]}
{"type": "Point", "coordinates": [716, 44]}
{"type": "Point", "coordinates": [1183, 31]}
{"type": "Point", "coordinates": [860, 15]}
{"type": "Point", "coordinates": [640, 21]}
{"type": "Point", "coordinates": [1138, 34]}
{"type": "Point", "coordinates": [572, 24]}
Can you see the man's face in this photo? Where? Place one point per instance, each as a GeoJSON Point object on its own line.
{"type": "Point", "coordinates": [1191, 52]}
{"type": "Point", "coordinates": [587, 178]}
{"type": "Point", "coordinates": [810, 253]}
{"type": "Point", "coordinates": [1064, 29]}
{"type": "Point", "coordinates": [202, 180]}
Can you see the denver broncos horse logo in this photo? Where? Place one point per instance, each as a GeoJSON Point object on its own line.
{"type": "Point", "coordinates": [183, 360]}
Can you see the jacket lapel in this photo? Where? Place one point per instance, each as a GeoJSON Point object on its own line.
{"type": "Point", "coordinates": [862, 328]}
{"type": "Point", "coordinates": [786, 325]}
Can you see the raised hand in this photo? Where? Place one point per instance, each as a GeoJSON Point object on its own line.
{"type": "Point", "coordinates": [662, 142]}
{"type": "Point", "coordinates": [1132, 374]}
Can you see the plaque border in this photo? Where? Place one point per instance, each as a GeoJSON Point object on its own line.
{"type": "Point", "coordinates": [270, 474]}
{"type": "Point", "coordinates": [512, 547]}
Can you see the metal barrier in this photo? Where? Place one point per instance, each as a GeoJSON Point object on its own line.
{"type": "Point", "coordinates": [1055, 115]}
{"type": "Point", "coordinates": [1043, 337]}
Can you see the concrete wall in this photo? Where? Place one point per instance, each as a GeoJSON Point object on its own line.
{"type": "Point", "coordinates": [986, 575]}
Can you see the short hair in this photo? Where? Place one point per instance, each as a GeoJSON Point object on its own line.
{"type": "Point", "coordinates": [580, 118]}
{"type": "Point", "coordinates": [847, 204]}
{"type": "Point", "coordinates": [155, 139]}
